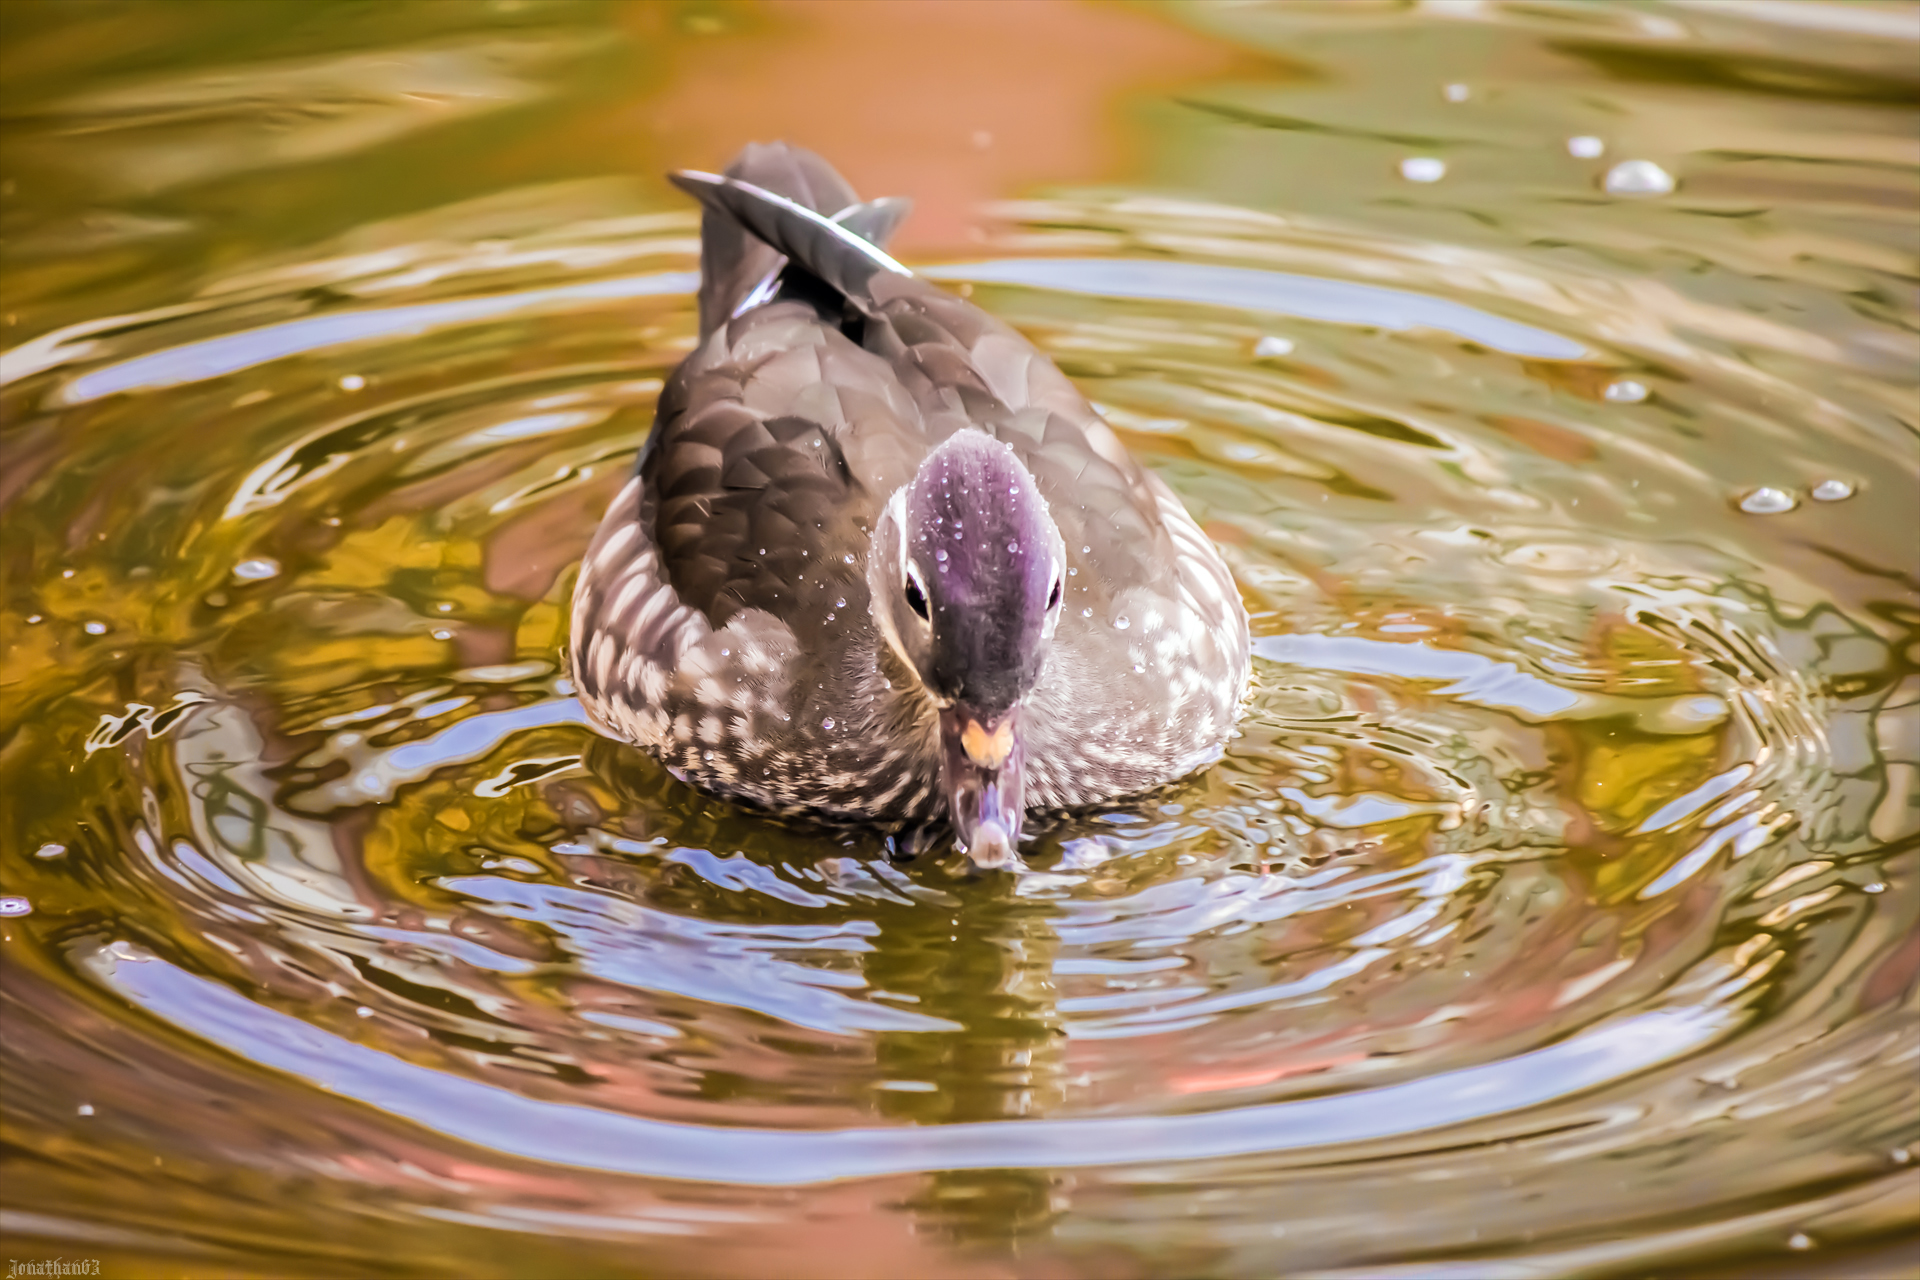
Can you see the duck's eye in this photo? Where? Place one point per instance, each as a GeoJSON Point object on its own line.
{"type": "Point", "coordinates": [916, 595]}
{"type": "Point", "coordinates": [1053, 597]}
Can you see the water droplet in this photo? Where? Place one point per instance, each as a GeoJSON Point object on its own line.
{"type": "Point", "coordinates": [1626, 391]}
{"type": "Point", "coordinates": [956, 535]}
{"type": "Point", "coordinates": [1272, 346]}
{"type": "Point", "coordinates": [216, 599]}
{"type": "Point", "coordinates": [1139, 668]}
{"type": "Point", "coordinates": [1456, 93]}
{"type": "Point", "coordinates": [1585, 147]}
{"type": "Point", "coordinates": [33, 618]}
{"type": "Point", "coordinates": [827, 723]}
{"type": "Point", "coordinates": [726, 653]}
{"type": "Point", "coordinates": [707, 756]}
{"type": "Point", "coordinates": [831, 615]}
{"type": "Point", "coordinates": [1085, 550]}
{"type": "Point", "coordinates": [763, 551]}
{"type": "Point", "coordinates": [85, 1109]}
{"type": "Point", "coordinates": [11, 906]}
{"type": "Point", "coordinates": [1832, 490]}
{"type": "Point", "coordinates": [1901, 1155]}
{"type": "Point", "coordinates": [841, 603]}
{"type": "Point", "coordinates": [95, 628]}
{"type": "Point", "coordinates": [846, 559]}
{"type": "Point", "coordinates": [441, 633]}
{"type": "Point", "coordinates": [50, 851]}
{"type": "Point", "coordinates": [1799, 1240]}
{"type": "Point", "coordinates": [1875, 887]}
{"type": "Point", "coordinates": [941, 554]}
{"type": "Point", "coordinates": [352, 382]}
{"type": "Point", "coordinates": [1122, 622]}
{"type": "Point", "coordinates": [1013, 548]}
{"type": "Point", "coordinates": [1086, 613]}
{"type": "Point", "coordinates": [1423, 169]}
{"type": "Point", "coordinates": [1638, 178]}
{"type": "Point", "coordinates": [364, 1012]}
{"type": "Point", "coordinates": [1073, 573]}
{"type": "Point", "coordinates": [66, 573]}
{"type": "Point", "coordinates": [1767, 501]}
{"type": "Point", "coordinates": [259, 569]}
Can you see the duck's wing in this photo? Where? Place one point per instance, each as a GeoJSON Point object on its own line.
{"type": "Point", "coordinates": [745, 236]}
{"type": "Point", "coordinates": [836, 253]}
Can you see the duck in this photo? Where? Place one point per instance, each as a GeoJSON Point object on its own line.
{"type": "Point", "coordinates": [880, 562]}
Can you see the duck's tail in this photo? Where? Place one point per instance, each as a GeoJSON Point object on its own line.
{"type": "Point", "coordinates": [777, 204]}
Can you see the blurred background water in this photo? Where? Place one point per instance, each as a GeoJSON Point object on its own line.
{"type": "Point", "coordinates": [1548, 373]}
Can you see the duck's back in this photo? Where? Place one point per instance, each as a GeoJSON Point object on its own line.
{"type": "Point", "coordinates": [722, 618]}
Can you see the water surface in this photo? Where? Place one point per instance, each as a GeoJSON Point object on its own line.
{"type": "Point", "coordinates": [1553, 912]}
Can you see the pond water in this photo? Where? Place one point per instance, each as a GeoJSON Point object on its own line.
{"type": "Point", "coordinates": [1548, 374]}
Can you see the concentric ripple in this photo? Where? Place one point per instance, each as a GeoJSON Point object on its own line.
{"type": "Point", "coordinates": [1553, 909]}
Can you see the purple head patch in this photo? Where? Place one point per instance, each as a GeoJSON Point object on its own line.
{"type": "Point", "coordinates": [985, 553]}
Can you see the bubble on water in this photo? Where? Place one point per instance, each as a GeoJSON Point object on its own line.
{"type": "Point", "coordinates": [827, 723]}
{"type": "Point", "coordinates": [1423, 169]}
{"type": "Point", "coordinates": [1626, 391]}
{"type": "Point", "coordinates": [259, 569]}
{"type": "Point", "coordinates": [1703, 708]}
{"type": "Point", "coordinates": [352, 382]}
{"type": "Point", "coordinates": [1638, 178]}
{"type": "Point", "coordinates": [1122, 622]}
{"type": "Point", "coordinates": [1456, 93]}
{"type": "Point", "coordinates": [1767, 501]}
{"type": "Point", "coordinates": [1273, 346]}
{"type": "Point", "coordinates": [1832, 490]}
{"type": "Point", "coordinates": [1799, 1240]}
{"type": "Point", "coordinates": [85, 1109]}
{"type": "Point", "coordinates": [1585, 147]}
{"type": "Point", "coordinates": [95, 628]}
{"type": "Point", "coordinates": [12, 906]}
{"type": "Point", "coordinates": [51, 851]}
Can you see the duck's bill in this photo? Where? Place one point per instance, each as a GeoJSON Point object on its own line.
{"type": "Point", "coordinates": [983, 769]}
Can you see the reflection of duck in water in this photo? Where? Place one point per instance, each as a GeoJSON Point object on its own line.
{"type": "Point", "coordinates": [881, 561]}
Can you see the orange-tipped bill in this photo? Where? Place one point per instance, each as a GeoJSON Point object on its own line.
{"type": "Point", "coordinates": [983, 770]}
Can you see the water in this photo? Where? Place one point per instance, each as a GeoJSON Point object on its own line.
{"type": "Point", "coordinates": [1554, 910]}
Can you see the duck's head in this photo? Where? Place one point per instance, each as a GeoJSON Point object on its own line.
{"type": "Point", "coordinates": [966, 572]}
